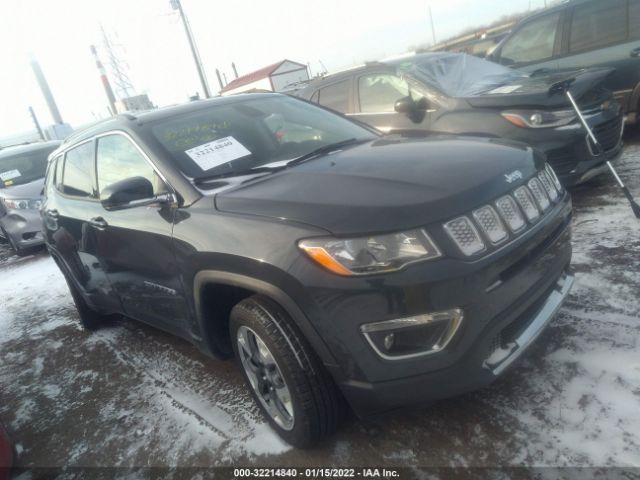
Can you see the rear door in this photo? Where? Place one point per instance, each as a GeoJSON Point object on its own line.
{"type": "Point", "coordinates": [71, 204]}
{"type": "Point", "coordinates": [606, 34]}
{"type": "Point", "coordinates": [139, 259]}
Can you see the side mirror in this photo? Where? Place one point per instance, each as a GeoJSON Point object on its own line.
{"type": "Point", "coordinates": [130, 192]}
{"type": "Point", "coordinates": [412, 109]}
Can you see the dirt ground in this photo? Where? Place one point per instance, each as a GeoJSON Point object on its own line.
{"type": "Point", "coordinates": [132, 396]}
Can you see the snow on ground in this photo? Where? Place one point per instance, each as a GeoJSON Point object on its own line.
{"type": "Point", "coordinates": [129, 395]}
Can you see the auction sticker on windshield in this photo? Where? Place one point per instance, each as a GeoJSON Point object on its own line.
{"type": "Point", "coordinates": [218, 152]}
{"type": "Point", "coordinates": [9, 175]}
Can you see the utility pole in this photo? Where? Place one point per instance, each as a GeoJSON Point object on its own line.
{"type": "Point", "coordinates": [219, 79]}
{"type": "Point", "coordinates": [46, 91]}
{"type": "Point", "coordinates": [433, 30]}
{"type": "Point", "coordinates": [235, 72]}
{"type": "Point", "coordinates": [177, 5]}
{"type": "Point", "coordinates": [36, 123]}
{"type": "Point", "coordinates": [119, 68]}
{"type": "Point", "coordinates": [105, 81]}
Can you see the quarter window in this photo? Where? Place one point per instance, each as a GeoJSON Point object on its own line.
{"type": "Point", "coordinates": [119, 159]}
{"type": "Point", "coordinates": [335, 96]}
{"type": "Point", "coordinates": [380, 92]}
{"type": "Point", "coordinates": [533, 42]}
{"type": "Point", "coordinates": [597, 24]}
{"type": "Point", "coordinates": [59, 168]}
{"type": "Point", "coordinates": [78, 179]}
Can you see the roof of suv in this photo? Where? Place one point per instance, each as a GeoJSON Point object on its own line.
{"type": "Point", "coordinates": [28, 147]}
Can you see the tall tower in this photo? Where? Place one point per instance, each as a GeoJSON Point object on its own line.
{"type": "Point", "coordinates": [118, 67]}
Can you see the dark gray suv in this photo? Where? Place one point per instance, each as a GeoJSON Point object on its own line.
{"type": "Point", "coordinates": [580, 34]}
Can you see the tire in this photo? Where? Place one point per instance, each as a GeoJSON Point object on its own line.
{"type": "Point", "coordinates": [89, 318]}
{"type": "Point", "coordinates": [315, 405]}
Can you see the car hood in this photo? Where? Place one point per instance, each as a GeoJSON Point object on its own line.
{"type": "Point", "coordinates": [27, 190]}
{"type": "Point", "coordinates": [389, 184]}
{"type": "Point", "coordinates": [534, 92]}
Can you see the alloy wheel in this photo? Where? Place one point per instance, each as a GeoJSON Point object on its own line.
{"type": "Point", "coordinates": [265, 377]}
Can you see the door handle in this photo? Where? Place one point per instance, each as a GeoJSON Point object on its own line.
{"type": "Point", "coordinates": [53, 213]}
{"type": "Point", "coordinates": [99, 223]}
{"type": "Point", "coordinates": [635, 52]}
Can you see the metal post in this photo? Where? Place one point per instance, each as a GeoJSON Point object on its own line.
{"type": "Point", "coordinates": [36, 123]}
{"type": "Point", "coordinates": [177, 5]}
{"type": "Point", "coordinates": [105, 81]}
{"type": "Point", "coordinates": [433, 30]}
{"type": "Point", "coordinates": [46, 91]}
{"type": "Point", "coordinates": [235, 72]}
{"type": "Point", "coordinates": [219, 79]}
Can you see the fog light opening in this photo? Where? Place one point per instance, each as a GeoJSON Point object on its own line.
{"type": "Point", "coordinates": [413, 336]}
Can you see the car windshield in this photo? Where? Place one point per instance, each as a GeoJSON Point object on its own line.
{"type": "Point", "coordinates": [23, 168]}
{"type": "Point", "coordinates": [250, 133]}
{"type": "Point", "coordinates": [459, 74]}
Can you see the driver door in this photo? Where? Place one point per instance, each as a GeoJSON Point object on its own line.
{"type": "Point", "coordinates": [137, 251]}
{"type": "Point", "coordinates": [375, 98]}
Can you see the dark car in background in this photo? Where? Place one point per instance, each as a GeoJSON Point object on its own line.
{"type": "Point", "coordinates": [333, 262]}
{"type": "Point", "coordinates": [464, 95]}
{"type": "Point", "coordinates": [22, 170]}
{"type": "Point", "coordinates": [582, 34]}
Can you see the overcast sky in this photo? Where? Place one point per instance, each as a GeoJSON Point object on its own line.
{"type": "Point", "coordinates": [253, 34]}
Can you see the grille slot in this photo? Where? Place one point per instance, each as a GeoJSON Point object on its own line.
{"type": "Point", "coordinates": [465, 235]}
{"type": "Point", "coordinates": [527, 203]}
{"type": "Point", "coordinates": [539, 194]}
{"type": "Point", "coordinates": [490, 223]}
{"type": "Point", "coordinates": [546, 181]}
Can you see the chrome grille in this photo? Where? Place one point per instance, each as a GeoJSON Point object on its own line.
{"type": "Point", "coordinates": [548, 185]}
{"type": "Point", "coordinates": [538, 192]}
{"type": "Point", "coordinates": [465, 235]}
{"type": "Point", "coordinates": [511, 213]}
{"type": "Point", "coordinates": [532, 199]}
{"type": "Point", "coordinates": [490, 223]}
{"type": "Point", "coordinates": [527, 203]}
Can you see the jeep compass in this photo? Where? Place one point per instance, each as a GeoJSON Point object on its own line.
{"type": "Point", "coordinates": [340, 267]}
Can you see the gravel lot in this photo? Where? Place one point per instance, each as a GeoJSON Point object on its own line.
{"type": "Point", "coordinates": [130, 395]}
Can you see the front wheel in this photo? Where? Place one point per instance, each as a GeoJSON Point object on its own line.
{"type": "Point", "coordinates": [291, 386]}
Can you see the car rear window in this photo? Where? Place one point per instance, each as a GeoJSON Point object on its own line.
{"type": "Point", "coordinates": [597, 24]}
{"type": "Point", "coordinates": [235, 137]}
{"type": "Point", "coordinates": [335, 96]}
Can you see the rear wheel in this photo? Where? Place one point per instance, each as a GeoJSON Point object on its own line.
{"type": "Point", "coordinates": [291, 386]}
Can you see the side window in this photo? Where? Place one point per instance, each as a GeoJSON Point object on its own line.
{"type": "Point", "coordinates": [634, 19]}
{"type": "Point", "coordinates": [79, 175]}
{"type": "Point", "coordinates": [50, 179]}
{"type": "Point", "coordinates": [533, 42]}
{"type": "Point", "coordinates": [379, 92]}
{"type": "Point", "coordinates": [335, 96]}
{"type": "Point", "coordinates": [58, 177]}
{"type": "Point", "coordinates": [597, 24]}
{"type": "Point", "coordinates": [118, 159]}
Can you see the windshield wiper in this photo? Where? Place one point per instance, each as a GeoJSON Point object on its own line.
{"type": "Point", "coordinates": [239, 173]}
{"type": "Point", "coordinates": [326, 149]}
{"type": "Point", "coordinates": [540, 71]}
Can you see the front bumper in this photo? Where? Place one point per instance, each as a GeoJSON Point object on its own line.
{"type": "Point", "coordinates": [23, 227]}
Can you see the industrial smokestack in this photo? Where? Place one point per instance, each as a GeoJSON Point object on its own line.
{"type": "Point", "coordinates": [46, 91]}
{"type": "Point", "coordinates": [235, 72]}
{"type": "Point", "coordinates": [105, 81]}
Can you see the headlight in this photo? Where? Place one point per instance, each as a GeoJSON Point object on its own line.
{"type": "Point", "coordinates": [22, 203]}
{"type": "Point", "coordinates": [539, 118]}
{"type": "Point", "coordinates": [373, 254]}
